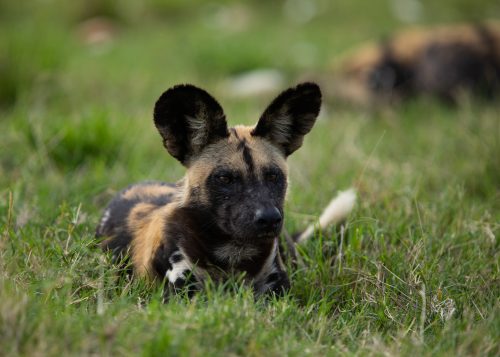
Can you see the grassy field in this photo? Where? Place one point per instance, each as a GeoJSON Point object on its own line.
{"type": "Point", "coordinates": [417, 272]}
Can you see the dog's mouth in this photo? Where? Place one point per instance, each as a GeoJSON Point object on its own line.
{"type": "Point", "coordinates": [260, 236]}
{"type": "Point", "coordinates": [269, 233]}
{"type": "Point", "coordinates": [266, 235]}
{"type": "Point", "coordinates": [251, 233]}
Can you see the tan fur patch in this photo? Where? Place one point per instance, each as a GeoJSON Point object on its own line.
{"type": "Point", "coordinates": [407, 46]}
{"type": "Point", "coordinates": [263, 152]}
{"type": "Point", "coordinates": [148, 190]}
{"type": "Point", "coordinates": [146, 223]}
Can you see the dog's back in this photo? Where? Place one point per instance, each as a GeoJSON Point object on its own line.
{"type": "Point", "coordinates": [441, 61]}
{"type": "Point", "coordinates": [130, 209]}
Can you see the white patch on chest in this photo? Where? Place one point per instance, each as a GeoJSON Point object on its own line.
{"type": "Point", "coordinates": [178, 270]}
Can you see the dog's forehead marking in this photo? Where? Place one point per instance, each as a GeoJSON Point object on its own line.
{"type": "Point", "coordinates": [255, 151]}
{"type": "Point", "coordinates": [241, 152]}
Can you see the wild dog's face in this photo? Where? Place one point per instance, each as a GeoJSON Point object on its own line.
{"type": "Point", "coordinates": [237, 175]}
{"type": "Point", "coordinates": [373, 74]}
{"type": "Point", "coordinates": [243, 181]}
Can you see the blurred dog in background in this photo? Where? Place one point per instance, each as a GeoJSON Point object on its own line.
{"type": "Point", "coordinates": [442, 61]}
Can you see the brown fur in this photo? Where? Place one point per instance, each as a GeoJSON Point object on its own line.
{"type": "Point", "coordinates": [148, 191]}
{"type": "Point", "coordinates": [227, 153]}
{"type": "Point", "coordinates": [146, 222]}
{"type": "Point", "coordinates": [225, 214]}
{"type": "Point", "coordinates": [419, 54]}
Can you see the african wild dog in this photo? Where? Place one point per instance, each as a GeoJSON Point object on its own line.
{"type": "Point", "coordinates": [226, 214]}
{"type": "Point", "coordinates": [441, 61]}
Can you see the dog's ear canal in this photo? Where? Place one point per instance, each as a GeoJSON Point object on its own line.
{"type": "Point", "coordinates": [289, 117]}
{"type": "Point", "coordinates": [188, 119]}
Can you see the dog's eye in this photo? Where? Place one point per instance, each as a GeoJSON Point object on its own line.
{"type": "Point", "coordinates": [225, 179]}
{"type": "Point", "coordinates": [271, 177]}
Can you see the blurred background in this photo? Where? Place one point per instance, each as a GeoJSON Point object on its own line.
{"type": "Point", "coordinates": [126, 52]}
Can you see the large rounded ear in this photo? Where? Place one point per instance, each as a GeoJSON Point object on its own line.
{"type": "Point", "coordinates": [188, 119]}
{"type": "Point", "coordinates": [289, 117]}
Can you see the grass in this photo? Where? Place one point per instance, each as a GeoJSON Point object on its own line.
{"type": "Point", "coordinates": [416, 273]}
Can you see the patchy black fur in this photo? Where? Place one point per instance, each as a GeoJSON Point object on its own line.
{"type": "Point", "coordinates": [161, 261]}
{"type": "Point", "coordinates": [390, 76]}
{"type": "Point", "coordinates": [179, 104]}
{"type": "Point", "coordinates": [199, 239]}
{"type": "Point", "coordinates": [228, 221]}
{"type": "Point", "coordinates": [442, 62]}
{"type": "Point", "coordinates": [118, 211]}
{"type": "Point", "coordinates": [248, 193]}
{"type": "Point", "coordinates": [297, 108]}
{"type": "Point", "coordinates": [247, 157]}
{"type": "Point", "coordinates": [445, 69]}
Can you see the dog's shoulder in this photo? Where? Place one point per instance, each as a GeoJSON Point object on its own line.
{"type": "Point", "coordinates": [126, 222]}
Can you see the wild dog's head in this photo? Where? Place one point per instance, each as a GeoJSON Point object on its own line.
{"type": "Point", "coordinates": [238, 175]}
{"type": "Point", "coordinates": [373, 75]}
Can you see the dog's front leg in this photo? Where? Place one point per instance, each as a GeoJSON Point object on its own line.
{"type": "Point", "coordinates": [180, 277]}
{"type": "Point", "coordinates": [273, 282]}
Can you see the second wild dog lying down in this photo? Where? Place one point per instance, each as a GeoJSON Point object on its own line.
{"type": "Point", "coordinates": [440, 61]}
{"type": "Point", "coordinates": [226, 214]}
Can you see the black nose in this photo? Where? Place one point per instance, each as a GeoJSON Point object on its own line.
{"type": "Point", "coordinates": [267, 217]}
